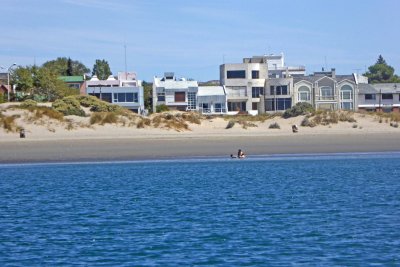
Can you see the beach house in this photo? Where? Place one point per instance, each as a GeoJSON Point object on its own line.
{"type": "Point", "coordinates": [326, 90]}
{"type": "Point", "coordinates": [259, 84]}
{"type": "Point", "coordinates": [380, 97]}
{"type": "Point", "coordinates": [125, 91]}
{"type": "Point", "coordinates": [176, 94]}
{"type": "Point", "coordinates": [211, 100]}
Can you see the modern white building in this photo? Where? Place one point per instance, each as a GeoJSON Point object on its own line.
{"type": "Point", "coordinates": [278, 69]}
{"type": "Point", "coordinates": [211, 100]}
{"type": "Point", "coordinates": [126, 91]}
{"type": "Point", "coordinates": [244, 83]}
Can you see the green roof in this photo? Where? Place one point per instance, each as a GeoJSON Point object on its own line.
{"type": "Point", "coordinates": [71, 79]}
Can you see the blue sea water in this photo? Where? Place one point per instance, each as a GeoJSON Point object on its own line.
{"type": "Point", "coordinates": [275, 211]}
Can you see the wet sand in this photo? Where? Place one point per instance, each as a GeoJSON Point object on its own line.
{"type": "Point", "coordinates": [81, 150]}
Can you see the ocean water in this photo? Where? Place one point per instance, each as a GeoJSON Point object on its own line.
{"type": "Point", "coordinates": [315, 210]}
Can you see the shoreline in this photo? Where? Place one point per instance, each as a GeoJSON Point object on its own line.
{"type": "Point", "coordinates": [184, 147]}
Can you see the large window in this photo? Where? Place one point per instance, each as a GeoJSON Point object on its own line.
{"type": "Point", "coordinates": [387, 96]}
{"type": "Point", "coordinates": [257, 91]}
{"type": "Point", "coordinates": [255, 74]}
{"type": "Point", "coordinates": [236, 74]}
{"type": "Point", "coordinates": [347, 105]}
{"type": "Point", "coordinates": [279, 90]}
{"type": "Point", "coordinates": [278, 104]}
{"type": "Point", "coordinates": [346, 93]}
{"type": "Point", "coordinates": [191, 101]}
{"type": "Point", "coordinates": [304, 94]}
{"type": "Point", "coordinates": [326, 93]}
{"type": "Point", "coordinates": [370, 97]}
{"type": "Point", "coordinates": [125, 97]}
{"type": "Point", "coordinates": [180, 97]}
{"type": "Point", "coordinates": [236, 106]}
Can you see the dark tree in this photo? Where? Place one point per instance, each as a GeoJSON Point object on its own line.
{"type": "Point", "coordinates": [381, 72]}
{"type": "Point", "coordinates": [62, 67]}
{"type": "Point", "coordinates": [101, 69]}
{"type": "Point", "coordinates": [69, 67]}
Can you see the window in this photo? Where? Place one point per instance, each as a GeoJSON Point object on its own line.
{"type": "Point", "coordinates": [256, 92]}
{"type": "Point", "coordinates": [346, 93]}
{"type": "Point", "coordinates": [279, 90]}
{"type": "Point", "coordinates": [326, 93]}
{"type": "Point", "coordinates": [219, 107]}
{"type": "Point", "coordinates": [180, 97]}
{"type": "Point", "coordinates": [387, 96]}
{"type": "Point", "coordinates": [370, 97]}
{"type": "Point", "coordinates": [278, 104]}
{"type": "Point", "coordinates": [191, 100]}
{"type": "Point", "coordinates": [255, 74]}
{"type": "Point", "coordinates": [272, 90]}
{"type": "Point", "coordinates": [304, 94]}
{"type": "Point", "coordinates": [125, 97]}
{"type": "Point", "coordinates": [236, 74]}
{"type": "Point", "coordinates": [236, 106]}
{"type": "Point", "coordinates": [161, 97]}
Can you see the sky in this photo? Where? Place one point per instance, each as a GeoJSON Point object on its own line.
{"type": "Point", "coordinates": [192, 38]}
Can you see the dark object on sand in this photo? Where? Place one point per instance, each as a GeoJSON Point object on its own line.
{"type": "Point", "coordinates": [22, 133]}
{"type": "Point", "coordinates": [294, 128]}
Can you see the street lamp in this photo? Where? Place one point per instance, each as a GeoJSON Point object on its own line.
{"type": "Point", "coordinates": [8, 81]}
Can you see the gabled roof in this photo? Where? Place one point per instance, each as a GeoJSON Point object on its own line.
{"type": "Point", "coordinates": [365, 88]}
{"type": "Point", "coordinates": [313, 79]}
{"type": "Point", "coordinates": [71, 79]}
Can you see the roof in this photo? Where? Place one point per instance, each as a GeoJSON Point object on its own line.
{"type": "Point", "coordinates": [210, 90]}
{"type": "Point", "coordinates": [387, 87]}
{"type": "Point", "coordinates": [365, 88]}
{"type": "Point", "coordinates": [313, 78]}
{"type": "Point", "coordinates": [71, 79]}
{"type": "Point", "coordinates": [175, 84]}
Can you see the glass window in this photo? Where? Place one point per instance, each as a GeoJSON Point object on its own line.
{"type": "Point", "coordinates": [255, 74]}
{"type": "Point", "coordinates": [347, 105]}
{"type": "Point", "coordinates": [370, 97]}
{"type": "Point", "coordinates": [129, 97]}
{"type": "Point", "coordinates": [256, 91]}
{"type": "Point", "coordinates": [160, 96]}
{"type": "Point", "coordinates": [121, 97]}
{"type": "Point", "coordinates": [236, 74]}
{"type": "Point", "coordinates": [284, 89]}
{"type": "Point", "coordinates": [272, 90]}
{"type": "Point", "coordinates": [304, 94]}
{"type": "Point", "coordinates": [236, 106]}
{"type": "Point", "coordinates": [326, 93]}
{"type": "Point", "coordinates": [278, 104]}
{"type": "Point", "coordinates": [387, 96]}
{"type": "Point", "coordinates": [180, 97]}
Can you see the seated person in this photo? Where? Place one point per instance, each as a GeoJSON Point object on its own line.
{"type": "Point", "coordinates": [241, 154]}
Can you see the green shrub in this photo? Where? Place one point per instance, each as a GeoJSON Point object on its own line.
{"type": "Point", "coordinates": [3, 98]}
{"type": "Point", "coordinates": [306, 122]}
{"type": "Point", "coordinates": [68, 106]}
{"type": "Point", "coordinates": [87, 100]}
{"type": "Point", "coordinates": [301, 108]}
{"type": "Point", "coordinates": [162, 108]}
{"type": "Point", "coordinates": [8, 123]}
{"type": "Point", "coordinates": [29, 103]}
{"type": "Point", "coordinates": [274, 125]}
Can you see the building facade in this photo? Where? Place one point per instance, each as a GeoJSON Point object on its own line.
{"type": "Point", "coordinates": [380, 97]}
{"type": "Point", "coordinates": [327, 91]}
{"type": "Point", "coordinates": [125, 92]}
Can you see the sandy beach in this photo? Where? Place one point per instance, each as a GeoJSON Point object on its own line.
{"type": "Point", "coordinates": [76, 140]}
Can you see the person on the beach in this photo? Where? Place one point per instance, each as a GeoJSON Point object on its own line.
{"type": "Point", "coordinates": [232, 156]}
{"type": "Point", "coordinates": [241, 154]}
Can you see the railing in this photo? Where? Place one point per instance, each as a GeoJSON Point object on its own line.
{"type": "Point", "coordinates": [325, 98]}
{"type": "Point", "coordinates": [236, 93]}
{"type": "Point", "coordinates": [208, 110]}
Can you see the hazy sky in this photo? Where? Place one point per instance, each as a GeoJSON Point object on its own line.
{"type": "Point", "coordinates": [192, 38]}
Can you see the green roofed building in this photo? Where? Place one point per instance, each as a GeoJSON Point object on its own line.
{"type": "Point", "coordinates": [76, 82]}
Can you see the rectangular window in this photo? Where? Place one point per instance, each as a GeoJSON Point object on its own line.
{"type": "Point", "coordinates": [180, 97]}
{"type": "Point", "coordinates": [346, 95]}
{"type": "Point", "coordinates": [284, 89]}
{"type": "Point", "coordinates": [272, 90]}
{"type": "Point", "coordinates": [370, 97]}
{"type": "Point", "coordinates": [121, 97]}
{"type": "Point", "coordinates": [236, 74]}
{"type": "Point", "coordinates": [236, 106]}
{"type": "Point", "coordinates": [217, 107]}
{"type": "Point", "coordinates": [387, 96]}
{"type": "Point", "coordinates": [278, 104]}
{"type": "Point", "coordinates": [161, 97]}
{"type": "Point", "coordinates": [129, 97]}
{"type": "Point", "coordinates": [256, 91]}
{"type": "Point", "coordinates": [254, 106]}
{"type": "Point", "coordinates": [255, 74]}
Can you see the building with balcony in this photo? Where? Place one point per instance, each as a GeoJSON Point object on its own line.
{"type": "Point", "coordinates": [212, 100]}
{"type": "Point", "coordinates": [125, 91]}
{"type": "Point", "coordinates": [380, 97]}
{"type": "Point", "coordinates": [244, 83]}
{"type": "Point", "coordinates": [326, 90]}
{"type": "Point", "coordinates": [177, 94]}
{"type": "Point", "coordinates": [278, 69]}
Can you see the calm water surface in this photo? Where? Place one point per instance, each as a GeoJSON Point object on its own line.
{"type": "Point", "coordinates": [322, 211]}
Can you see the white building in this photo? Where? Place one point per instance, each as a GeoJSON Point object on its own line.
{"type": "Point", "coordinates": [126, 91]}
{"type": "Point", "coordinates": [211, 100]}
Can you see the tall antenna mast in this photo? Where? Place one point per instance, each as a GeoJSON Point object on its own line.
{"type": "Point", "coordinates": [125, 58]}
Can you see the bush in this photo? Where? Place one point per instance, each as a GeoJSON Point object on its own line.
{"type": "Point", "coordinates": [103, 118]}
{"type": "Point", "coordinates": [8, 123]}
{"type": "Point", "coordinates": [102, 106]}
{"type": "Point", "coordinates": [301, 108]}
{"type": "Point", "coordinates": [68, 106]}
{"type": "Point", "coordinates": [29, 103]}
{"type": "Point", "coordinates": [3, 98]}
{"type": "Point", "coordinates": [274, 125]}
{"type": "Point", "coordinates": [231, 123]}
{"type": "Point", "coordinates": [306, 122]}
{"type": "Point", "coordinates": [162, 108]}
{"type": "Point", "coordinates": [87, 100]}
